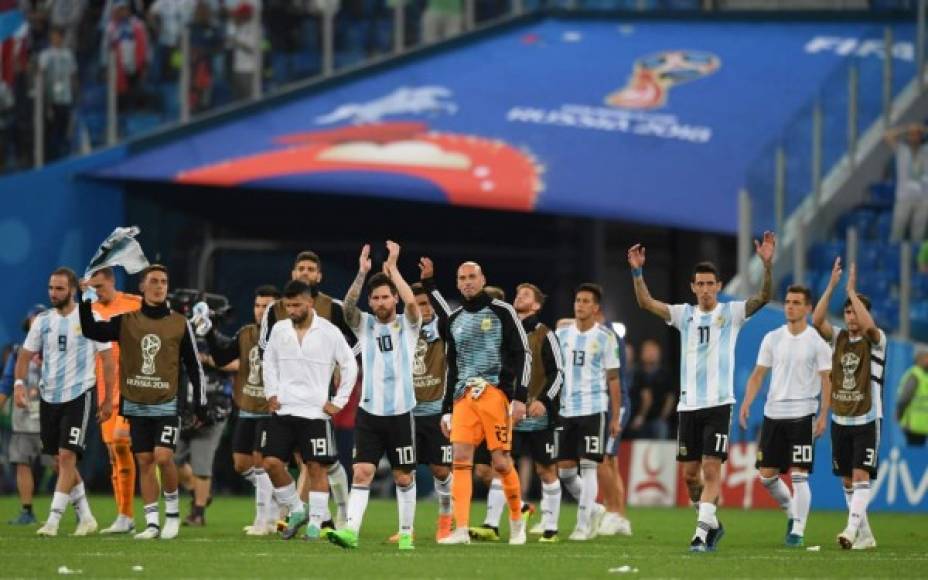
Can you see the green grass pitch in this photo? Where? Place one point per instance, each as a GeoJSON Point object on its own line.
{"type": "Point", "coordinates": [752, 547]}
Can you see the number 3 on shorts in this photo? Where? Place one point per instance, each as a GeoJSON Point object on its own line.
{"type": "Point", "coordinates": [169, 435]}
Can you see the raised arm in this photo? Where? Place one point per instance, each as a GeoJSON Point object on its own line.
{"type": "Point", "coordinates": [98, 330]}
{"type": "Point", "coordinates": [820, 314]}
{"type": "Point", "coordinates": [642, 295]}
{"type": "Point", "coordinates": [352, 313]}
{"type": "Point", "coordinates": [750, 393]}
{"type": "Point", "coordinates": [439, 304]}
{"type": "Point", "coordinates": [410, 308]}
{"type": "Point", "coordinates": [765, 251]}
{"type": "Point", "coordinates": [868, 326]}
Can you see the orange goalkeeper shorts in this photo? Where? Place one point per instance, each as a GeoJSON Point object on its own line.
{"type": "Point", "coordinates": [486, 418]}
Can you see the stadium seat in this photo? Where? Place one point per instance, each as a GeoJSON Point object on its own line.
{"type": "Point", "coordinates": [822, 255]}
{"type": "Point", "coordinates": [883, 194]}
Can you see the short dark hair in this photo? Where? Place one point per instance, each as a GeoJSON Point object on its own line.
{"type": "Point", "coordinates": [800, 289]}
{"type": "Point", "coordinates": [595, 289]}
{"type": "Point", "coordinates": [308, 256]}
{"type": "Point", "coordinates": [539, 295]}
{"type": "Point", "coordinates": [380, 279]}
{"type": "Point", "coordinates": [107, 273]}
{"type": "Point", "coordinates": [68, 273]}
{"type": "Point", "coordinates": [495, 292]}
{"type": "Point", "coordinates": [705, 268]}
{"type": "Point", "coordinates": [153, 268]}
{"type": "Point", "coordinates": [863, 298]}
{"type": "Point", "coordinates": [418, 289]}
{"type": "Point", "coordinates": [267, 290]}
{"type": "Point", "coordinates": [296, 288]}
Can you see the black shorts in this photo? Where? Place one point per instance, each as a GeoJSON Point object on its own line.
{"type": "Point", "coordinates": [64, 425]}
{"type": "Point", "coordinates": [539, 445]}
{"type": "Point", "coordinates": [786, 443]}
{"type": "Point", "coordinates": [432, 447]}
{"type": "Point", "coordinates": [394, 435]}
{"type": "Point", "coordinates": [855, 447]}
{"type": "Point", "coordinates": [704, 433]}
{"type": "Point", "coordinates": [147, 433]}
{"type": "Point", "coordinates": [581, 437]}
{"type": "Point", "coordinates": [313, 438]}
{"type": "Point", "coordinates": [246, 438]}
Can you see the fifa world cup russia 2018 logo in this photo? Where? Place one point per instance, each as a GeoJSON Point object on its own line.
{"type": "Point", "coordinates": [254, 366]}
{"type": "Point", "coordinates": [151, 344]}
{"type": "Point", "coordinates": [654, 75]}
{"type": "Point", "coordinates": [418, 364]}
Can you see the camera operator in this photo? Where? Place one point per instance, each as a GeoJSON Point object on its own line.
{"type": "Point", "coordinates": [197, 446]}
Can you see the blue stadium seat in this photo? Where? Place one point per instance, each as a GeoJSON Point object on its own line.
{"type": "Point", "coordinates": [822, 255]}
{"type": "Point", "coordinates": [861, 218]}
{"type": "Point", "coordinates": [869, 256]}
{"type": "Point", "coordinates": [919, 316]}
{"type": "Point", "coordinates": [883, 194]}
{"type": "Point", "coordinates": [886, 314]}
{"type": "Point", "coordinates": [883, 224]}
{"type": "Point", "coordinates": [878, 288]}
{"type": "Point", "coordinates": [920, 287]}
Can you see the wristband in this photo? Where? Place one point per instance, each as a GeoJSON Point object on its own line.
{"type": "Point", "coordinates": [636, 272]}
{"type": "Point", "coordinates": [19, 383]}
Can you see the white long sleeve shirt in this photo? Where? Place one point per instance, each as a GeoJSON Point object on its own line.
{"type": "Point", "coordinates": [298, 374]}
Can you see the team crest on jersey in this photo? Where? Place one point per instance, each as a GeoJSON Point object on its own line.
{"type": "Point", "coordinates": [720, 321]}
{"type": "Point", "coordinates": [760, 455]}
{"type": "Point", "coordinates": [682, 450]}
{"type": "Point", "coordinates": [396, 325]}
{"type": "Point", "coordinates": [486, 324]}
{"type": "Point", "coordinates": [594, 347]}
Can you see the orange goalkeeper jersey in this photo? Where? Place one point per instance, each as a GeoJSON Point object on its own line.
{"type": "Point", "coordinates": [121, 304]}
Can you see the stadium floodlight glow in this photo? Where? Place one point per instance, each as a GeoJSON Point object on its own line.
{"type": "Point", "coordinates": [619, 329]}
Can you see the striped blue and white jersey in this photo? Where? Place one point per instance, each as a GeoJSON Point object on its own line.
{"type": "Point", "coordinates": [68, 358]}
{"type": "Point", "coordinates": [387, 355]}
{"type": "Point", "coordinates": [587, 356]}
{"type": "Point", "coordinates": [707, 353]}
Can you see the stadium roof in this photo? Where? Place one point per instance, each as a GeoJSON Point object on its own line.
{"type": "Point", "coordinates": [652, 122]}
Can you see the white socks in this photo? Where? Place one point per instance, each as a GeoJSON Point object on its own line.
{"type": "Point", "coordinates": [338, 486]}
{"type": "Point", "coordinates": [171, 504]}
{"type": "Point", "coordinates": [318, 508]}
{"type": "Point", "coordinates": [59, 504]}
{"type": "Point", "coordinates": [550, 505]}
{"type": "Point", "coordinates": [588, 493]}
{"type": "Point", "coordinates": [802, 502]}
{"type": "Point", "coordinates": [496, 501]}
{"type": "Point", "coordinates": [859, 500]}
{"type": "Point", "coordinates": [357, 504]}
{"type": "Point", "coordinates": [443, 491]}
{"type": "Point", "coordinates": [287, 496]}
{"type": "Point", "coordinates": [571, 481]}
{"type": "Point", "coordinates": [779, 491]}
{"type": "Point", "coordinates": [264, 490]}
{"type": "Point", "coordinates": [151, 515]}
{"type": "Point", "coordinates": [79, 499]}
{"type": "Point", "coordinates": [706, 520]}
{"type": "Point", "coordinates": [406, 505]}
